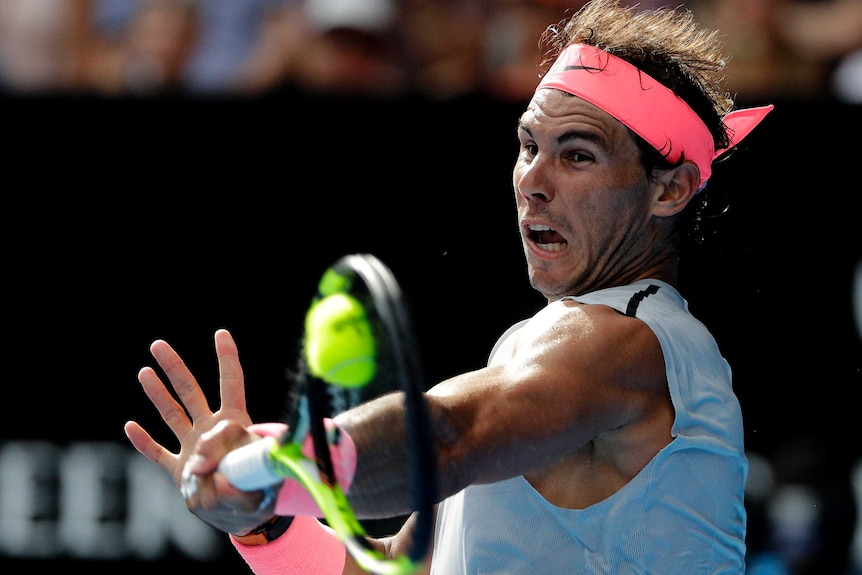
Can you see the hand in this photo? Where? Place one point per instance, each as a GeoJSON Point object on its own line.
{"type": "Point", "coordinates": [204, 436]}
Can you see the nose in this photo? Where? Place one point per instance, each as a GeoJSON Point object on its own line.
{"type": "Point", "coordinates": [531, 181]}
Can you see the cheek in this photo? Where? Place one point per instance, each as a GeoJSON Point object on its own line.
{"type": "Point", "coordinates": [608, 211]}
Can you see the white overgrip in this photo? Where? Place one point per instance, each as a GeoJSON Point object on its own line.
{"type": "Point", "coordinates": [248, 468]}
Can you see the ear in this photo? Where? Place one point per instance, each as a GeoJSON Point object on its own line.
{"type": "Point", "coordinates": [675, 189]}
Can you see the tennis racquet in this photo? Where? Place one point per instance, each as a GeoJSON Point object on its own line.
{"type": "Point", "coordinates": [397, 366]}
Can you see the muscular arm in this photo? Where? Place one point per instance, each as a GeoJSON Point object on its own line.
{"type": "Point", "coordinates": [575, 374]}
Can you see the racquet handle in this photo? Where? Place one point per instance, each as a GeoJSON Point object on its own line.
{"type": "Point", "coordinates": [249, 467]}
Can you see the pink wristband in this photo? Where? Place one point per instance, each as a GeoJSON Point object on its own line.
{"type": "Point", "coordinates": [294, 499]}
{"type": "Point", "coordinates": [307, 547]}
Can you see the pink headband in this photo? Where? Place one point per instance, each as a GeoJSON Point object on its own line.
{"type": "Point", "coordinates": [652, 110]}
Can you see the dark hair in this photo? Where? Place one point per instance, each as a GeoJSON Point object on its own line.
{"type": "Point", "coordinates": [670, 46]}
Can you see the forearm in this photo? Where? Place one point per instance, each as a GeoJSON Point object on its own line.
{"type": "Point", "coordinates": [381, 485]}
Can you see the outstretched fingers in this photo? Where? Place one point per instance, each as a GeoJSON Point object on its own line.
{"type": "Point", "coordinates": [170, 410]}
{"type": "Point", "coordinates": [182, 380]}
{"type": "Point", "coordinates": [187, 412]}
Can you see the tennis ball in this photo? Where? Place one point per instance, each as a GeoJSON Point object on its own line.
{"type": "Point", "coordinates": [339, 345]}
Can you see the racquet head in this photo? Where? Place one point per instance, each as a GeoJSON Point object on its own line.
{"type": "Point", "coordinates": [397, 367]}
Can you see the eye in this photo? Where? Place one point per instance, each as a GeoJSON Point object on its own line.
{"type": "Point", "coordinates": [528, 147]}
{"type": "Point", "coordinates": [579, 157]}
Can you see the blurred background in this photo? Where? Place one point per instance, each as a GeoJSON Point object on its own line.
{"type": "Point", "coordinates": [177, 166]}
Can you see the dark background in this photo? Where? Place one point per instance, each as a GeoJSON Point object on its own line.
{"type": "Point", "coordinates": [127, 221]}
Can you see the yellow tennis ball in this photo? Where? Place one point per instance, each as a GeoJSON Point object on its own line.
{"type": "Point", "coordinates": [339, 345]}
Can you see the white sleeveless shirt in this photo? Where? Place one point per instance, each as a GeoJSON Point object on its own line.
{"type": "Point", "coordinates": [683, 514]}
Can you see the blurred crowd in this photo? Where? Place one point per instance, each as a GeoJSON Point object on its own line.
{"type": "Point", "coordinates": [438, 49]}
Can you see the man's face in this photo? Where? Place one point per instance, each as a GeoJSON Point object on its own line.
{"type": "Point", "coordinates": [583, 197]}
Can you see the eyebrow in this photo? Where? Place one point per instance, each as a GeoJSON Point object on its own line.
{"type": "Point", "coordinates": [570, 135]}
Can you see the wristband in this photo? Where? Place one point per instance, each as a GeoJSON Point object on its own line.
{"type": "Point", "coordinates": [266, 532]}
{"type": "Point", "coordinates": [308, 547]}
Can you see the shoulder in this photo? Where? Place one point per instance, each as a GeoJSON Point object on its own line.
{"type": "Point", "coordinates": [595, 340]}
{"type": "Point", "coordinates": [590, 362]}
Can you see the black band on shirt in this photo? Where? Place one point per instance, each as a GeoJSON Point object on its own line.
{"type": "Point", "coordinates": [632, 308]}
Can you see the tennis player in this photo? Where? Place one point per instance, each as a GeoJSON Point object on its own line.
{"type": "Point", "coordinates": [604, 435]}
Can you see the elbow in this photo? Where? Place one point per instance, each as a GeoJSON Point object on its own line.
{"type": "Point", "coordinates": [456, 468]}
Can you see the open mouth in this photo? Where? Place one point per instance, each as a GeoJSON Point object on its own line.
{"type": "Point", "coordinates": [546, 238]}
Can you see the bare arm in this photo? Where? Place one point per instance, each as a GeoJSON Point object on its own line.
{"type": "Point", "coordinates": [575, 373]}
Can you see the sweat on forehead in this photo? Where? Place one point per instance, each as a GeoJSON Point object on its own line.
{"type": "Point", "coordinates": [647, 107]}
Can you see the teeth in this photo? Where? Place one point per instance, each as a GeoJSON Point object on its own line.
{"type": "Point", "coordinates": [552, 247]}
